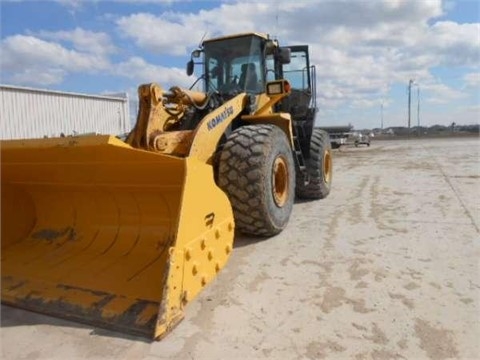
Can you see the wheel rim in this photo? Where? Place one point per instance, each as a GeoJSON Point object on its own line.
{"type": "Point", "coordinates": [327, 166]}
{"type": "Point", "coordinates": [280, 181]}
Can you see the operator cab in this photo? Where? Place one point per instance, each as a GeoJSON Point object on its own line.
{"type": "Point", "coordinates": [236, 64]}
{"type": "Point", "coordinates": [301, 103]}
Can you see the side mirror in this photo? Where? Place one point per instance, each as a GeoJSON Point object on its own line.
{"type": "Point", "coordinates": [283, 55]}
{"type": "Point", "coordinates": [190, 66]}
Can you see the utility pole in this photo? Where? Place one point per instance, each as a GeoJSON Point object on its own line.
{"type": "Point", "coordinates": [381, 115]}
{"type": "Point", "coordinates": [410, 83]}
{"type": "Point", "coordinates": [418, 105]}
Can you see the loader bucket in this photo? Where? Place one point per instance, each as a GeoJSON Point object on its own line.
{"type": "Point", "coordinates": [96, 231]}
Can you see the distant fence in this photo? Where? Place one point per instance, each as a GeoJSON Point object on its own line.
{"type": "Point", "coordinates": [35, 113]}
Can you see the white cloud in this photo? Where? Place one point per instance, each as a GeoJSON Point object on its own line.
{"type": "Point", "coordinates": [451, 44]}
{"type": "Point", "coordinates": [72, 4]}
{"type": "Point", "coordinates": [78, 4]}
{"type": "Point", "coordinates": [142, 72]}
{"type": "Point", "coordinates": [38, 76]}
{"type": "Point", "coordinates": [43, 62]}
{"type": "Point", "coordinates": [173, 33]}
{"type": "Point", "coordinates": [165, 2]}
{"type": "Point", "coordinates": [98, 43]}
{"type": "Point", "coordinates": [475, 109]}
{"type": "Point", "coordinates": [20, 50]}
{"type": "Point", "coordinates": [359, 46]}
{"type": "Point", "coordinates": [156, 34]}
{"type": "Point", "coordinates": [472, 80]}
{"type": "Point", "coordinates": [439, 93]}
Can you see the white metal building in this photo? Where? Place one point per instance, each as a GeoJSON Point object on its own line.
{"type": "Point", "coordinates": [27, 113]}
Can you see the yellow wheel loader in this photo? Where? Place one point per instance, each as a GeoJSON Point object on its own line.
{"type": "Point", "coordinates": [122, 232]}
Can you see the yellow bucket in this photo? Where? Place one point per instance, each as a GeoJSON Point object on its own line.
{"type": "Point", "coordinates": [99, 232]}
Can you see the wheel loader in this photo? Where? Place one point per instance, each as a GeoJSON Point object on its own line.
{"type": "Point", "coordinates": [122, 232]}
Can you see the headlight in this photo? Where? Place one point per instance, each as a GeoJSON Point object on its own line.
{"type": "Point", "coordinates": [278, 87]}
{"type": "Point", "coordinates": [274, 88]}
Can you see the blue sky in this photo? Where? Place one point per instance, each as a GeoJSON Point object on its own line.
{"type": "Point", "coordinates": [365, 51]}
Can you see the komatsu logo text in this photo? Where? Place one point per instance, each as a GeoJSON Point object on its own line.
{"type": "Point", "coordinates": [220, 117]}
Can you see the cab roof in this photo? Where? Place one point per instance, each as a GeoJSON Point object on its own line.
{"type": "Point", "coordinates": [233, 36]}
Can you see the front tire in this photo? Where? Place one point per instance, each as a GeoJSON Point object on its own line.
{"type": "Point", "coordinates": [319, 168]}
{"type": "Point", "coordinates": [257, 172]}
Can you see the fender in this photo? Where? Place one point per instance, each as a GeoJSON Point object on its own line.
{"type": "Point", "coordinates": [209, 131]}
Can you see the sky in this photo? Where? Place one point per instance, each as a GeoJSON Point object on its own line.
{"type": "Point", "coordinates": [365, 51]}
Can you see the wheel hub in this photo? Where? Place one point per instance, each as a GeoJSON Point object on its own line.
{"type": "Point", "coordinates": [280, 181]}
{"type": "Point", "coordinates": [327, 166]}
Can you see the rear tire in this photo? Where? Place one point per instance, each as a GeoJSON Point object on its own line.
{"type": "Point", "coordinates": [319, 168]}
{"type": "Point", "coordinates": [257, 172]}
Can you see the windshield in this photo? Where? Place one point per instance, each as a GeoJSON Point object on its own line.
{"type": "Point", "coordinates": [234, 65]}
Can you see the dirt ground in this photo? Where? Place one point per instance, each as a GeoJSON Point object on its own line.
{"type": "Point", "coordinates": [387, 267]}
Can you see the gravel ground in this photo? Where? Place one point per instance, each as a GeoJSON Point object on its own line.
{"type": "Point", "coordinates": [387, 267]}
